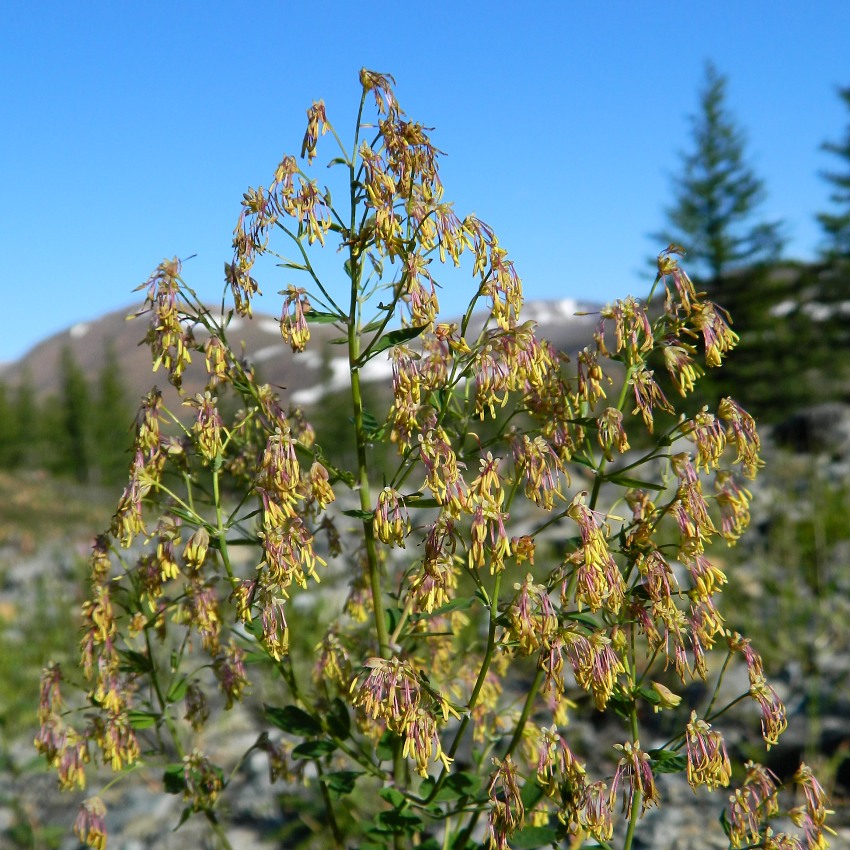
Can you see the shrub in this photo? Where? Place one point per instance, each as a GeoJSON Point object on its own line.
{"type": "Point", "coordinates": [515, 565]}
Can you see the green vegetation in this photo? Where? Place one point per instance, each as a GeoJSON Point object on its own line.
{"type": "Point", "coordinates": [508, 544]}
{"type": "Point", "coordinates": [717, 195]}
{"type": "Point", "coordinates": [82, 434]}
{"type": "Point", "coordinates": [836, 225]}
{"type": "Point", "coordinates": [179, 618]}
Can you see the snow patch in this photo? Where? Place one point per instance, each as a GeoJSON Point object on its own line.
{"type": "Point", "coordinates": [377, 369]}
{"type": "Point", "coordinates": [269, 326]}
{"type": "Point", "coordinates": [550, 311]}
{"type": "Point", "coordinates": [783, 308]}
{"type": "Point", "coordinates": [79, 330]}
{"type": "Point", "coordinates": [267, 353]}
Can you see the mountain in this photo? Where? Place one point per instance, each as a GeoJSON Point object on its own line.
{"type": "Point", "coordinates": [301, 378]}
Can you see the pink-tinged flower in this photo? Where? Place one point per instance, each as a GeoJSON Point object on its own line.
{"type": "Point", "coordinates": [698, 524]}
{"type": "Point", "coordinates": [90, 825]}
{"type": "Point", "coordinates": [317, 123]}
{"type": "Point", "coordinates": [811, 816]}
{"type": "Point", "coordinates": [196, 549]}
{"type": "Point", "coordinates": [229, 668]}
{"type": "Point", "coordinates": [734, 503]}
{"type": "Point", "coordinates": [680, 364]}
{"type": "Point", "coordinates": [752, 804]}
{"type": "Point", "coordinates": [668, 266]}
{"type": "Point", "coordinates": [635, 772]}
{"type": "Point", "coordinates": [773, 715]}
{"type": "Point", "coordinates": [611, 432]}
{"type": "Point", "coordinates": [203, 781]}
{"type": "Point", "coordinates": [293, 320]}
{"type": "Point", "coordinates": [597, 811]}
{"type": "Point", "coordinates": [320, 491]}
{"type": "Point", "coordinates": [444, 478]}
{"type": "Point", "coordinates": [391, 520]}
{"type": "Point", "coordinates": [632, 330]}
{"type": "Point", "coordinates": [50, 701]}
{"type": "Point", "coordinates": [542, 469]}
{"type": "Point", "coordinates": [648, 395]}
{"type": "Point", "coordinates": [197, 708]}
{"type": "Point", "coordinates": [713, 322]}
{"type": "Point", "coordinates": [589, 375]}
{"type": "Point", "coordinates": [598, 579]}
{"type": "Point", "coordinates": [215, 359]}
{"type": "Point", "coordinates": [707, 578]}
{"type": "Point", "coordinates": [422, 742]}
{"type": "Point", "coordinates": [531, 616]}
{"type": "Point", "coordinates": [202, 611]}
{"type": "Point", "coordinates": [556, 765]}
{"type": "Point", "coordinates": [708, 761]}
{"type": "Point", "coordinates": [595, 663]}
{"type": "Point", "coordinates": [169, 338]}
{"type": "Point", "coordinates": [741, 430]}
{"type": "Point", "coordinates": [390, 691]}
{"type": "Point", "coordinates": [507, 812]}
{"type": "Point", "coordinates": [208, 425]}
{"type": "Point", "coordinates": [381, 85]}
{"type": "Point", "coordinates": [706, 431]}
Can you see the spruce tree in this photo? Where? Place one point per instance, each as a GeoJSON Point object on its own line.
{"type": "Point", "coordinates": [717, 195]}
{"type": "Point", "coordinates": [8, 429]}
{"type": "Point", "coordinates": [76, 448]}
{"type": "Point", "coordinates": [836, 225]}
{"type": "Point", "coordinates": [26, 448]}
{"type": "Point", "coordinates": [112, 421]}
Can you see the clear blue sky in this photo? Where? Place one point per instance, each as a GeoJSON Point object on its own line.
{"type": "Point", "coordinates": [130, 130]}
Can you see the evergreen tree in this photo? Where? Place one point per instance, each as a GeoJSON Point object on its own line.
{"type": "Point", "coordinates": [717, 195]}
{"type": "Point", "coordinates": [75, 455]}
{"type": "Point", "coordinates": [25, 451]}
{"type": "Point", "coordinates": [8, 429]}
{"type": "Point", "coordinates": [112, 420]}
{"type": "Point", "coordinates": [837, 225]}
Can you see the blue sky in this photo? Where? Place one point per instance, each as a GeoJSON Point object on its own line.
{"type": "Point", "coordinates": [131, 129]}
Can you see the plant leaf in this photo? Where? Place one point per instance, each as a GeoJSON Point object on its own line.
{"type": "Point", "coordinates": [341, 782]}
{"type": "Point", "coordinates": [534, 836]}
{"type": "Point", "coordinates": [142, 719]}
{"type": "Point", "coordinates": [635, 483]}
{"type": "Point", "coordinates": [317, 317]}
{"type": "Point", "coordinates": [392, 338]}
{"type": "Point", "coordinates": [313, 749]}
{"type": "Point", "coordinates": [339, 723]}
{"type": "Point", "coordinates": [174, 780]}
{"type": "Point", "coordinates": [294, 720]}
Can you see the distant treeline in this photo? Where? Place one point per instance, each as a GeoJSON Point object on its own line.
{"type": "Point", "coordinates": [83, 432]}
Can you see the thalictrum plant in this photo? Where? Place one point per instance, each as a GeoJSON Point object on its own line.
{"type": "Point", "coordinates": [535, 549]}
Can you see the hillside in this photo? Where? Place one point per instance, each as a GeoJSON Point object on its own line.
{"type": "Point", "coordinates": [301, 378]}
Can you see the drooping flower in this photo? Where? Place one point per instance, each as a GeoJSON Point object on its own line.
{"type": "Point", "coordinates": [708, 761]}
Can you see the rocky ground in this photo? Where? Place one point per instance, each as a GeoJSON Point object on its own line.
{"type": "Point", "coordinates": [40, 571]}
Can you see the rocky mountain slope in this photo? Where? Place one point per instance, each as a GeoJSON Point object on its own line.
{"type": "Point", "coordinates": [298, 377]}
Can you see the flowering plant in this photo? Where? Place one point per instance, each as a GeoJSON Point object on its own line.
{"type": "Point", "coordinates": [517, 563]}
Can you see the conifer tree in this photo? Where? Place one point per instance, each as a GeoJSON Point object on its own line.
{"type": "Point", "coordinates": [836, 225]}
{"type": "Point", "coordinates": [8, 428]}
{"type": "Point", "coordinates": [112, 421]}
{"type": "Point", "coordinates": [75, 415]}
{"type": "Point", "coordinates": [717, 195]}
{"type": "Point", "coordinates": [25, 450]}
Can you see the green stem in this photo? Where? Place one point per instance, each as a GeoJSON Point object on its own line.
{"type": "Point", "coordinates": [339, 841]}
{"type": "Point", "coordinates": [526, 712]}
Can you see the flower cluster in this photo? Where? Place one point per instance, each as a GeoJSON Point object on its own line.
{"type": "Point", "coordinates": [518, 537]}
